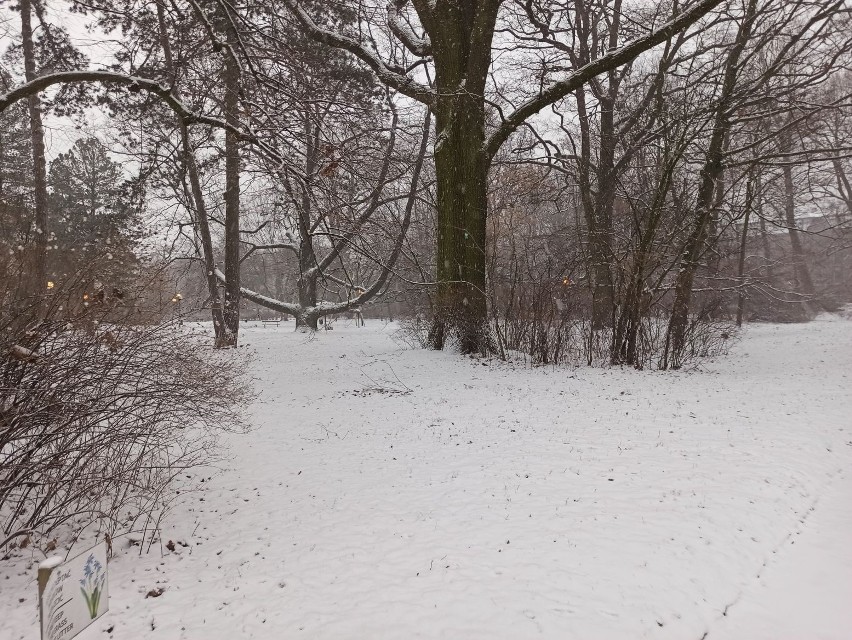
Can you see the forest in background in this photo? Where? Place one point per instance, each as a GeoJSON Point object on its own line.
{"type": "Point", "coordinates": [573, 181]}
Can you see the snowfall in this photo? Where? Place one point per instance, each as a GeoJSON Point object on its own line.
{"type": "Point", "coordinates": [391, 492]}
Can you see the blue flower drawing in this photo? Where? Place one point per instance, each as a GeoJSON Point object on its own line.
{"type": "Point", "coordinates": [92, 584]}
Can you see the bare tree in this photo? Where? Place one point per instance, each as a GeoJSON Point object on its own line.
{"type": "Point", "coordinates": [323, 237]}
{"type": "Point", "coordinates": [457, 42]}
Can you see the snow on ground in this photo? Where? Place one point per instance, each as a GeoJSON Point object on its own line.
{"type": "Point", "coordinates": [396, 493]}
{"type": "Point", "coordinates": [806, 591]}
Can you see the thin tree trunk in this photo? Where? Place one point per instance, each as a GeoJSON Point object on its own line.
{"type": "Point", "coordinates": [712, 248]}
{"type": "Point", "coordinates": [804, 284]}
{"type": "Point", "coordinates": [231, 80]}
{"type": "Point", "coordinates": [624, 348]}
{"type": "Point", "coordinates": [197, 206]}
{"type": "Point", "coordinates": [741, 297]}
{"type": "Point", "coordinates": [695, 244]}
{"type": "Point", "coordinates": [844, 187]}
{"type": "Point", "coordinates": [202, 223]}
{"type": "Point", "coordinates": [38, 260]}
{"type": "Point", "coordinates": [768, 269]}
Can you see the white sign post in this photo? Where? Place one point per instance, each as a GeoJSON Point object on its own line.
{"type": "Point", "coordinates": [72, 594]}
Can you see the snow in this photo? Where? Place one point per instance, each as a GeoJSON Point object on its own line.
{"type": "Point", "coordinates": [397, 493]}
{"type": "Point", "coordinates": [51, 562]}
{"type": "Point", "coordinates": [805, 592]}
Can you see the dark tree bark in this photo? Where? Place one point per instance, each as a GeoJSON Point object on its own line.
{"type": "Point", "coordinates": [231, 81]}
{"type": "Point", "coordinates": [710, 173]}
{"type": "Point", "coordinates": [197, 206]}
{"type": "Point", "coordinates": [461, 41]}
{"type": "Point", "coordinates": [768, 269]}
{"type": "Point", "coordinates": [598, 210]}
{"type": "Point", "coordinates": [637, 299]}
{"type": "Point", "coordinates": [844, 188]}
{"type": "Point", "coordinates": [601, 240]}
{"type": "Point", "coordinates": [38, 250]}
{"type": "Point", "coordinates": [308, 271]}
{"type": "Point", "coordinates": [202, 224]}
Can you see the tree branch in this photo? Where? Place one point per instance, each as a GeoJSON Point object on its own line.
{"type": "Point", "coordinates": [261, 247]}
{"type": "Point", "coordinates": [584, 74]}
{"type": "Point", "coordinates": [265, 301]}
{"type": "Point", "coordinates": [392, 77]}
{"type": "Point", "coordinates": [135, 83]}
{"type": "Point", "coordinates": [402, 30]}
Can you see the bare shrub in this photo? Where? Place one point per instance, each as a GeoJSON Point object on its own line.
{"type": "Point", "coordinates": [545, 321]}
{"type": "Point", "coordinates": [704, 338]}
{"type": "Point", "coordinates": [100, 408]}
{"type": "Point", "coordinates": [413, 331]}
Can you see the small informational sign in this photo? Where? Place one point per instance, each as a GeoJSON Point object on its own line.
{"type": "Point", "coordinates": [72, 594]}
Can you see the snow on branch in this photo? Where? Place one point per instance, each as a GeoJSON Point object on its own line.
{"type": "Point", "coordinates": [133, 82]}
{"type": "Point", "coordinates": [391, 76]}
{"type": "Point", "coordinates": [268, 247]}
{"type": "Point", "coordinates": [402, 30]}
{"type": "Point", "coordinates": [264, 301]}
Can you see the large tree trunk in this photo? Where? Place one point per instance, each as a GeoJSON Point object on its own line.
{"type": "Point", "coordinates": [603, 298]}
{"type": "Point", "coordinates": [308, 267]}
{"type": "Point", "coordinates": [307, 287]}
{"type": "Point", "coordinates": [461, 170]}
{"type": "Point", "coordinates": [603, 295]}
{"type": "Point", "coordinates": [461, 35]}
{"type": "Point", "coordinates": [37, 263]}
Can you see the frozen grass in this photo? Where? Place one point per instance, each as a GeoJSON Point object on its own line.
{"type": "Point", "coordinates": [396, 493]}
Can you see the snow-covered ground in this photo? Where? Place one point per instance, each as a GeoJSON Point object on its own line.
{"type": "Point", "coordinates": [396, 493]}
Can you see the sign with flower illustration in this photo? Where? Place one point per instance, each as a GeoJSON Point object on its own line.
{"type": "Point", "coordinates": [73, 593]}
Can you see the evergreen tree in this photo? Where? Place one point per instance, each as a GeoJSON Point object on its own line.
{"type": "Point", "coordinates": [15, 189]}
{"type": "Point", "coordinates": [96, 213]}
